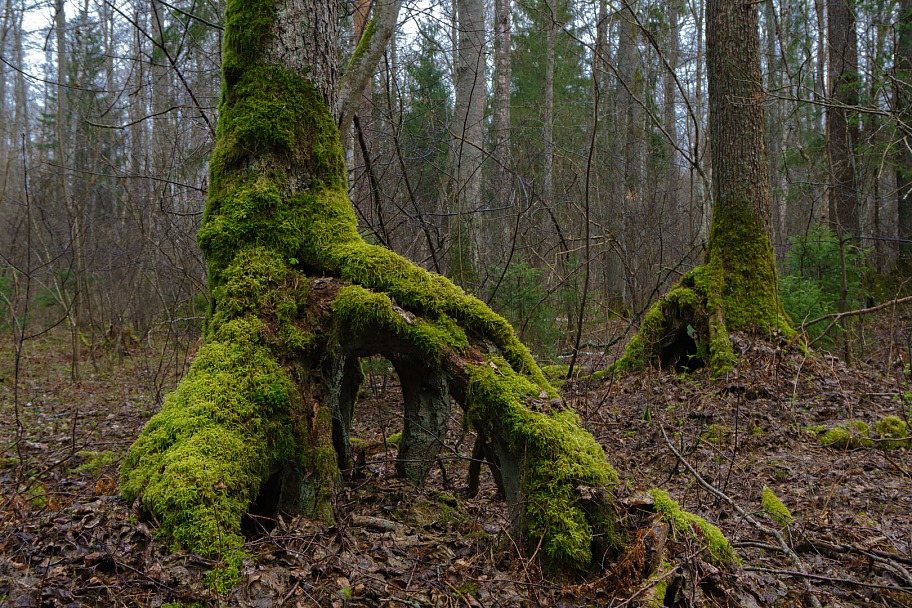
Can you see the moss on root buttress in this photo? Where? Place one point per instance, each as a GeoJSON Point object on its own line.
{"type": "Point", "coordinates": [199, 461]}
{"type": "Point", "coordinates": [742, 266]}
{"type": "Point", "coordinates": [278, 212]}
{"type": "Point", "coordinates": [558, 454]}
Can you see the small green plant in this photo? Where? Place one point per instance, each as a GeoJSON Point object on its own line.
{"type": "Point", "coordinates": [847, 435]}
{"type": "Point", "coordinates": [811, 281]}
{"type": "Point", "coordinates": [226, 573]}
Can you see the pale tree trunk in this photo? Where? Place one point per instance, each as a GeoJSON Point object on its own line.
{"type": "Point", "coordinates": [841, 119]}
{"type": "Point", "coordinates": [502, 174]}
{"type": "Point", "coordinates": [5, 131]}
{"type": "Point", "coordinates": [63, 184]}
{"type": "Point", "coordinates": [548, 109]}
{"type": "Point", "coordinates": [820, 65]}
{"type": "Point", "coordinates": [161, 152]}
{"type": "Point", "coordinates": [774, 115]}
{"type": "Point", "coordinates": [903, 101]}
{"type": "Point", "coordinates": [674, 200]}
{"type": "Point", "coordinates": [468, 141]}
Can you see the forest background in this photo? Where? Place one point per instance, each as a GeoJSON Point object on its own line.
{"type": "Point", "coordinates": [551, 157]}
{"type": "Point", "coordinates": [527, 151]}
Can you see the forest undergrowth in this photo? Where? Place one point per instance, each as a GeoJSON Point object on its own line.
{"type": "Point", "coordinates": [748, 446]}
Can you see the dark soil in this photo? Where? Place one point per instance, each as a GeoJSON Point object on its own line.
{"type": "Point", "coordinates": [67, 539]}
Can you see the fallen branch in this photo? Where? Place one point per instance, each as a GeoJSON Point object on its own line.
{"type": "Point", "coordinates": [793, 557]}
{"type": "Point", "coordinates": [838, 316]}
{"type": "Point", "coordinates": [830, 579]}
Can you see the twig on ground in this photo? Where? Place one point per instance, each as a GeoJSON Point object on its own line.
{"type": "Point", "coordinates": [793, 557]}
{"type": "Point", "coordinates": [830, 579]}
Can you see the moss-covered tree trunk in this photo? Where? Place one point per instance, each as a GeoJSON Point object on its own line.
{"type": "Point", "coordinates": [736, 289]}
{"type": "Point", "coordinates": [261, 422]}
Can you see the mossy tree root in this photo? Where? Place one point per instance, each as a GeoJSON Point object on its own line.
{"type": "Point", "coordinates": [262, 419]}
{"type": "Point", "coordinates": [279, 390]}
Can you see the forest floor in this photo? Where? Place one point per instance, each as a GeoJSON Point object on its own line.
{"type": "Point", "coordinates": [67, 539]}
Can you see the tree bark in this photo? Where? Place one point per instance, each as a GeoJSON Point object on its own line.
{"type": "Point", "coordinates": [500, 126]}
{"type": "Point", "coordinates": [841, 117]}
{"type": "Point", "coordinates": [468, 140]}
{"type": "Point", "coordinates": [903, 101]}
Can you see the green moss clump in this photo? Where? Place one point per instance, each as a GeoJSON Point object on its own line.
{"type": "Point", "coordinates": [775, 508]}
{"type": "Point", "coordinates": [558, 454]}
{"type": "Point", "coordinates": [893, 432]}
{"type": "Point", "coordinates": [369, 32]}
{"type": "Point", "coordinates": [226, 573]}
{"type": "Point", "coordinates": [682, 522]}
{"type": "Point", "coordinates": [199, 462]}
{"type": "Point", "coordinates": [847, 435]}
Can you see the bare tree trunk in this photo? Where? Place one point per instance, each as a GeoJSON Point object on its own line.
{"type": "Point", "coordinates": [548, 109]}
{"type": "Point", "coordinates": [468, 141]}
{"type": "Point", "coordinates": [63, 184]}
{"type": "Point", "coordinates": [503, 65]}
{"type": "Point", "coordinates": [903, 101]}
{"type": "Point", "coordinates": [841, 118]}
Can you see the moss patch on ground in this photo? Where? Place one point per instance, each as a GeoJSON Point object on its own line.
{"type": "Point", "coordinates": [775, 508]}
{"type": "Point", "coordinates": [888, 433]}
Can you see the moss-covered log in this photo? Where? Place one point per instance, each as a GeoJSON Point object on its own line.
{"type": "Point", "coordinates": [261, 422]}
{"type": "Point", "coordinates": [736, 289]}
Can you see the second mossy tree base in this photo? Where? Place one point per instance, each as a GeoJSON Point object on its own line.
{"type": "Point", "coordinates": [689, 327]}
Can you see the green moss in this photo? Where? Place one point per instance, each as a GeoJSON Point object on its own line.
{"type": "Point", "coordinates": [226, 573]}
{"type": "Point", "coordinates": [558, 455]}
{"type": "Point", "coordinates": [694, 526]}
{"type": "Point", "coordinates": [364, 42]}
{"type": "Point", "coordinates": [850, 434]}
{"type": "Point", "coordinates": [199, 462]}
{"type": "Point", "coordinates": [360, 310]}
{"type": "Point", "coordinates": [96, 461]}
{"type": "Point", "coordinates": [247, 25]}
{"type": "Point", "coordinates": [741, 258]}
{"type": "Point", "coordinates": [775, 508]}
{"type": "Point", "coordinates": [893, 432]}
